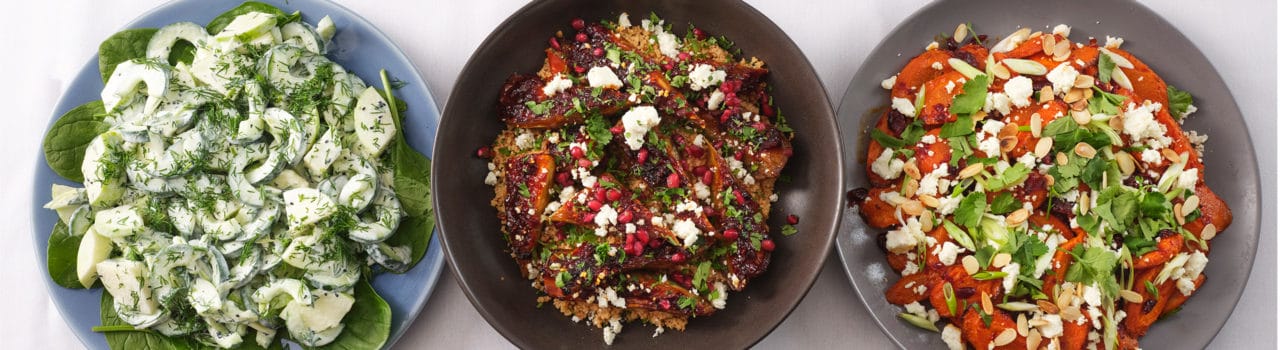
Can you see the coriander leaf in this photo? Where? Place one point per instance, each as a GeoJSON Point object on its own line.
{"type": "Point", "coordinates": [1004, 203]}
{"type": "Point", "coordinates": [1093, 264]}
{"type": "Point", "coordinates": [1179, 101]}
{"type": "Point", "coordinates": [973, 97]}
{"type": "Point", "coordinates": [700, 275]}
{"type": "Point", "coordinates": [1093, 171]}
{"type": "Point", "coordinates": [1105, 103]}
{"type": "Point", "coordinates": [1105, 66]}
{"type": "Point", "coordinates": [961, 148]}
{"type": "Point", "coordinates": [886, 140]}
{"type": "Point", "coordinates": [970, 210]}
{"type": "Point", "coordinates": [913, 132]}
{"type": "Point", "coordinates": [1029, 249]}
{"type": "Point", "coordinates": [960, 127]}
{"type": "Point", "coordinates": [1059, 126]}
{"type": "Point", "coordinates": [788, 230]}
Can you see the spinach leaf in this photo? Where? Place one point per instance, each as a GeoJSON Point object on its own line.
{"type": "Point", "coordinates": [218, 23]}
{"type": "Point", "coordinates": [67, 139]}
{"type": "Point", "coordinates": [412, 172]}
{"type": "Point", "coordinates": [123, 46]}
{"type": "Point", "coordinates": [63, 248]}
{"type": "Point", "coordinates": [368, 322]}
{"type": "Point", "coordinates": [1179, 101]}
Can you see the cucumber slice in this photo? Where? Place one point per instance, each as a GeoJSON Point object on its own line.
{"type": "Point", "coordinates": [204, 296]}
{"type": "Point", "coordinates": [162, 42]}
{"type": "Point", "coordinates": [124, 83]}
{"type": "Point", "coordinates": [247, 26]}
{"type": "Point", "coordinates": [118, 222]}
{"type": "Point", "coordinates": [320, 323]}
{"type": "Point", "coordinates": [103, 180]}
{"type": "Point", "coordinates": [94, 248]}
{"type": "Point", "coordinates": [288, 180]}
{"type": "Point", "coordinates": [306, 206]}
{"type": "Point", "coordinates": [326, 29]}
{"type": "Point", "coordinates": [126, 281]}
{"type": "Point", "coordinates": [302, 34]}
{"type": "Point", "coordinates": [81, 220]}
{"type": "Point", "coordinates": [374, 127]}
{"type": "Point", "coordinates": [322, 154]}
{"type": "Point", "coordinates": [292, 288]}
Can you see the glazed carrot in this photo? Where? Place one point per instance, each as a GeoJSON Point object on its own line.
{"type": "Point", "coordinates": [1028, 48]}
{"type": "Point", "coordinates": [1146, 83]}
{"type": "Point", "coordinates": [981, 335]}
{"type": "Point", "coordinates": [877, 212]}
{"type": "Point", "coordinates": [919, 71]}
{"type": "Point", "coordinates": [1166, 248]}
{"type": "Point", "coordinates": [1061, 261]}
{"type": "Point", "coordinates": [874, 148]}
{"type": "Point", "coordinates": [1212, 210]}
{"type": "Point", "coordinates": [1047, 111]}
{"type": "Point", "coordinates": [934, 155]}
{"type": "Point", "coordinates": [904, 291]}
{"type": "Point", "coordinates": [1075, 336]}
{"type": "Point", "coordinates": [1176, 300]}
{"type": "Point", "coordinates": [937, 97]}
{"type": "Point", "coordinates": [1141, 315]}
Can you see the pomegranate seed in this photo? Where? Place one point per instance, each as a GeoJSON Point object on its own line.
{"type": "Point", "coordinates": [594, 205]}
{"type": "Point", "coordinates": [655, 243]}
{"type": "Point", "coordinates": [639, 248]}
{"type": "Point", "coordinates": [643, 236]}
{"type": "Point", "coordinates": [563, 179]}
{"type": "Point", "coordinates": [631, 239]}
{"type": "Point", "coordinates": [577, 152]}
{"type": "Point", "coordinates": [585, 163]}
{"type": "Point", "coordinates": [555, 44]}
{"type": "Point", "coordinates": [673, 180]}
{"type": "Point", "coordinates": [787, 151]}
{"type": "Point", "coordinates": [759, 126]}
{"type": "Point", "coordinates": [731, 234]}
{"type": "Point", "coordinates": [600, 194]}
{"type": "Point", "coordinates": [700, 170]}
{"type": "Point", "coordinates": [693, 150]}
{"type": "Point", "coordinates": [706, 178]}
{"type": "Point", "coordinates": [578, 23]}
{"type": "Point", "coordinates": [739, 155]}
{"type": "Point", "coordinates": [643, 155]}
{"type": "Point", "coordinates": [724, 117]}
{"type": "Point", "coordinates": [484, 152]}
{"type": "Point", "coordinates": [683, 56]}
{"type": "Point", "coordinates": [708, 211]}
{"type": "Point", "coordinates": [613, 194]}
{"type": "Point", "coordinates": [698, 33]}
{"type": "Point", "coordinates": [589, 217]}
{"type": "Point", "coordinates": [678, 257]}
{"type": "Point", "coordinates": [616, 129]}
{"type": "Point", "coordinates": [737, 195]}
{"type": "Point", "coordinates": [664, 304]}
{"type": "Point", "coordinates": [767, 245]}
{"type": "Point", "coordinates": [581, 37]}
{"type": "Point", "coordinates": [625, 217]}
{"type": "Point", "coordinates": [579, 69]}
{"type": "Point", "coordinates": [767, 109]}
{"type": "Point", "coordinates": [597, 52]}
{"type": "Point", "coordinates": [793, 219]}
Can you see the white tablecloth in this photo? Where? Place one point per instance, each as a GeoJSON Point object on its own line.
{"type": "Point", "coordinates": [45, 42]}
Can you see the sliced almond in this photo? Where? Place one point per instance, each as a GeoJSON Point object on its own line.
{"type": "Point", "coordinates": [1072, 96]}
{"type": "Point", "coordinates": [1010, 129]}
{"type": "Point", "coordinates": [1043, 147]}
{"type": "Point", "coordinates": [1190, 205]}
{"type": "Point", "coordinates": [1062, 50]}
{"type": "Point", "coordinates": [979, 115]}
{"type": "Point", "coordinates": [926, 221]}
{"type": "Point", "coordinates": [1000, 260]}
{"type": "Point", "coordinates": [1033, 340]}
{"type": "Point", "coordinates": [1048, 42]}
{"type": "Point", "coordinates": [1130, 296]}
{"type": "Point", "coordinates": [1037, 124]}
{"type": "Point", "coordinates": [1000, 71]}
{"type": "Point", "coordinates": [1081, 117]}
{"type": "Point", "coordinates": [1048, 180]}
{"type": "Point", "coordinates": [913, 208]}
{"type": "Point", "coordinates": [1084, 81]}
{"type": "Point", "coordinates": [1071, 314]}
{"type": "Point", "coordinates": [1022, 324]}
{"type": "Point", "coordinates": [1017, 217]}
{"type": "Point", "coordinates": [1007, 336]}
{"type": "Point", "coordinates": [970, 264]}
{"type": "Point", "coordinates": [1040, 322]}
{"type": "Point", "coordinates": [1121, 79]}
{"type": "Point", "coordinates": [1209, 232]}
{"type": "Point", "coordinates": [911, 186]}
{"type": "Point", "coordinates": [929, 201]}
{"type": "Point", "coordinates": [1047, 306]}
{"type": "Point", "coordinates": [912, 170]}
{"type": "Point", "coordinates": [962, 31]}
{"type": "Point", "coordinates": [1046, 94]}
{"type": "Point", "coordinates": [1083, 103]}
{"type": "Point", "coordinates": [1126, 163]}
{"type": "Point", "coordinates": [1025, 67]}
{"type": "Point", "coordinates": [1116, 123]}
{"type": "Point", "coordinates": [1085, 150]}
{"type": "Point", "coordinates": [1064, 299]}
{"type": "Point", "coordinates": [1007, 143]}
{"type": "Point", "coordinates": [1083, 199]}
{"type": "Point", "coordinates": [1171, 155]}
{"type": "Point", "coordinates": [971, 170]}
{"type": "Point", "coordinates": [987, 307]}
{"type": "Point", "coordinates": [1178, 216]}
{"type": "Point", "coordinates": [1061, 158]}
{"type": "Point", "coordinates": [1088, 90]}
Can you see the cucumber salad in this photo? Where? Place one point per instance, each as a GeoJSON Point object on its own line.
{"type": "Point", "coordinates": [239, 188]}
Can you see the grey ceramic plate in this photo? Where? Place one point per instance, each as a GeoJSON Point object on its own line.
{"type": "Point", "coordinates": [359, 47]}
{"type": "Point", "coordinates": [470, 227]}
{"type": "Point", "coordinates": [1231, 169]}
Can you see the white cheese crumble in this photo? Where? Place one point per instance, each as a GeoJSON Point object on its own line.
{"type": "Point", "coordinates": [556, 85]}
{"type": "Point", "coordinates": [637, 122]}
{"type": "Point", "coordinates": [948, 205]}
{"type": "Point", "coordinates": [722, 296]}
{"type": "Point", "coordinates": [1053, 328]}
{"type": "Point", "coordinates": [525, 140]}
{"type": "Point", "coordinates": [1152, 156]}
{"type": "Point", "coordinates": [935, 181]}
{"type": "Point", "coordinates": [951, 336]}
{"type": "Point", "coordinates": [701, 190]}
{"type": "Point", "coordinates": [703, 76]}
{"type": "Point", "coordinates": [887, 84]}
{"type": "Point", "coordinates": [686, 231]}
{"type": "Point", "coordinates": [1114, 42]}
{"type": "Point", "coordinates": [624, 20]}
{"type": "Point", "coordinates": [601, 77]}
{"type": "Point", "coordinates": [1062, 29]}
{"type": "Point", "coordinates": [714, 101]}
{"type": "Point", "coordinates": [886, 165]}
{"type": "Point", "coordinates": [1011, 275]}
{"type": "Point", "coordinates": [947, 254]}
{"type": "Point", "coordinates": [605, 218]}
{"type": "Point", "coordinates": [997, 101]}
{"type": "Point", "coordinates": [1140, 124]}
{"type": "Point", "coordinates": [936, 65]}
{"type": "Point", "coordinates": [904, 106]}
{"type": "Point", "coordinates": [1187, 180]}
{"type": "Point", "coordinates": [905, 238]}
{"type": "Point", "coordinates": [1063, 78]}
{"type": "Point", "coordinates": [1019, 90]}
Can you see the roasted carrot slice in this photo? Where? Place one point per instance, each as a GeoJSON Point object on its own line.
{"type": "Point", "coordinates": [1142, 315]}
{"type": "Point", "coordinates": [877, 212]}
{"type": "Point", "coordinates": [919, 71]}
{"type": "Point", "coordinates": [1176, 300]}
{"type": "Point", "coordinates": [904, 292]}
{"type": "Point", "coordinates": [1166, 248]}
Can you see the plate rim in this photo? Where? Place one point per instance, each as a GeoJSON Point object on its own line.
{"type": "Point", "coordinates": [433, 262]}
{"type": "Point", "coordinates": [835, 207]}
{"type": "Point", "coordinates": [845, 262]}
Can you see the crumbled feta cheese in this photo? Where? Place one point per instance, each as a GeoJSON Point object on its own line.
{"type": "Point", "coordinates": [1195, 264]}
{"type": "Point", "coordinates": [703, 76]}
{"type": "Point", "coordinates": [917, 309]}
{"type": "Point", "coordinates": [601, 77]}
{"type": "Point", "coordinates": [1063, 78]}
{"type": "Point", "coordinates": [637, 122]}
{"type": "Point", "coordinates": [886, 165]}
{"type": "Point", "coordinates": [928, 139]}
{"type": "Point", "coordinates": [701, 190]}
{"type": "Point", "coordinates": [1187, 180]}
{"type": "Point", "coordinates": [887, 84]}
{"type": "Point", "coordinates": [1062, 29]}
{"type": "Point", "coordinates": [1011, 275]}
{"type": "Point", "coordinates": [556, 85]}
{"type": "Point", "coordinates": [686, 231]}
{"type": "Point", "coordinates": [722, 296]}
{"type": "Point", "coordinates": [904, 106]}
{"type": "Point", "coordinates": [624, 20]}
{"type": "Point", "coordinates": [1113, 42]}
{"type": "Point", "coordinates": [525, 140]}
{"type": "Point", "coordinates": [1186, 286]}
{"type": "Point", "coordinates": [905, 238]}
{"type": "Point", "coordinates": [1053, 328]}
{"type": "Point", "coordinates": [997, 101]}
{"type": "Point", "coordinates": [951, 85]}
{"type": "Point", "coordinates": [936, 65]}
{"type": "Point", "coordinates": [948, 205]}
{"type": "Point", "coordinates": [951, 336]}
{"type": "Point", "coordinates": [1092, 295]}
{"type": "Point", "coordinates": [1019, 91]}
{"type": "Point", "coordinates": [989, 145]}
{"type": "Point", "coordinates": [935, 181]}
{"type": "Point", "coordinates": [605, 218]}
{"type": "Point", "coordinates": [1042, 262]}
{"type": "Point", "coordinates": [1140, 124]}
{"type": "Point", "coordinates": [1028, 160]}
{"type": "Point", "coordinates": [713, 101]}
{"type": "Point", "coordinates": [1152, 156]}
{"type": "Point", "coordinates": [947, 254]}
{"type": "Point", "coordinates": [611, 331]}
{"type": "Point", "coordinates": [667, 42]}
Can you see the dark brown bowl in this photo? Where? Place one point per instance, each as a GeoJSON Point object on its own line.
{"type": "Point", "coordinates": [470, 228]}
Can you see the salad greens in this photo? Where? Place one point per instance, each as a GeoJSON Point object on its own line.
{"type": "Point", "coordinates": [240, 189]}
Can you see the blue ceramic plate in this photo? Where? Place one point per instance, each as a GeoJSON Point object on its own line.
{"type": "Point", "coordinates": [361, 49]}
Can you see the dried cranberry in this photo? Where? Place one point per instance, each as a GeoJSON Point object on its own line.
{"type": "Point", "coordinates": [856, 196]}
{"type": "Point", "coordinates": [673, 180]}
{"type": "Point", "coordinates": [965, 292]}
{"type": "Point", "coordinates": [578, 24]}
{"type": "Point", "coordinates": [484, 152]}
{"type": "Point", "coordinates": [1148, 305]}
{"type": "Point", "coordinates": [767, 245]}
{"type": "Point", "coordinates": [581, 37]}
{"type": "Point", "coordinates": [555, 44]}
{"type": "Point", "coordinates": [793, 219]}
